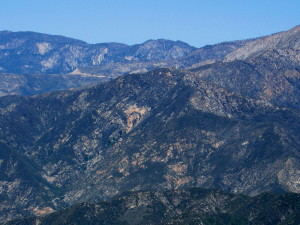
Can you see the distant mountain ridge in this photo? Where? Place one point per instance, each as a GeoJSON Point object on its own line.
{"type": "Point", "coordinates": [23, 54]}
{"type": "Point", "coordinates": [35, 53]}
{"type": "Point", "coordinates": [29, 52]}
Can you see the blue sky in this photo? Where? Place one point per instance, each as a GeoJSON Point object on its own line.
{"type": "Point", "coordinates": [196, 22]}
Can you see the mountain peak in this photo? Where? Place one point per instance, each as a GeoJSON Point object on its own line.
{"type": "Point", "coordinates": [167, 42]}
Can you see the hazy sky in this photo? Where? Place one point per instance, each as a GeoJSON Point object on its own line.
{"type": "Point", "coordinates": [196, 22]}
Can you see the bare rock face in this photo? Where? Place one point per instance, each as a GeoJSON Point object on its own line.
{"type": "Point", "coordinates": [134, 116]}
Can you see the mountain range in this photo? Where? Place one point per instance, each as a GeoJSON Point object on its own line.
{"type": "Point", "coordinates": [229, 119]}
{"type": "Point", "coordinates": [28, 59]}
{"type": "Point", "coordinates": [35, 53]}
